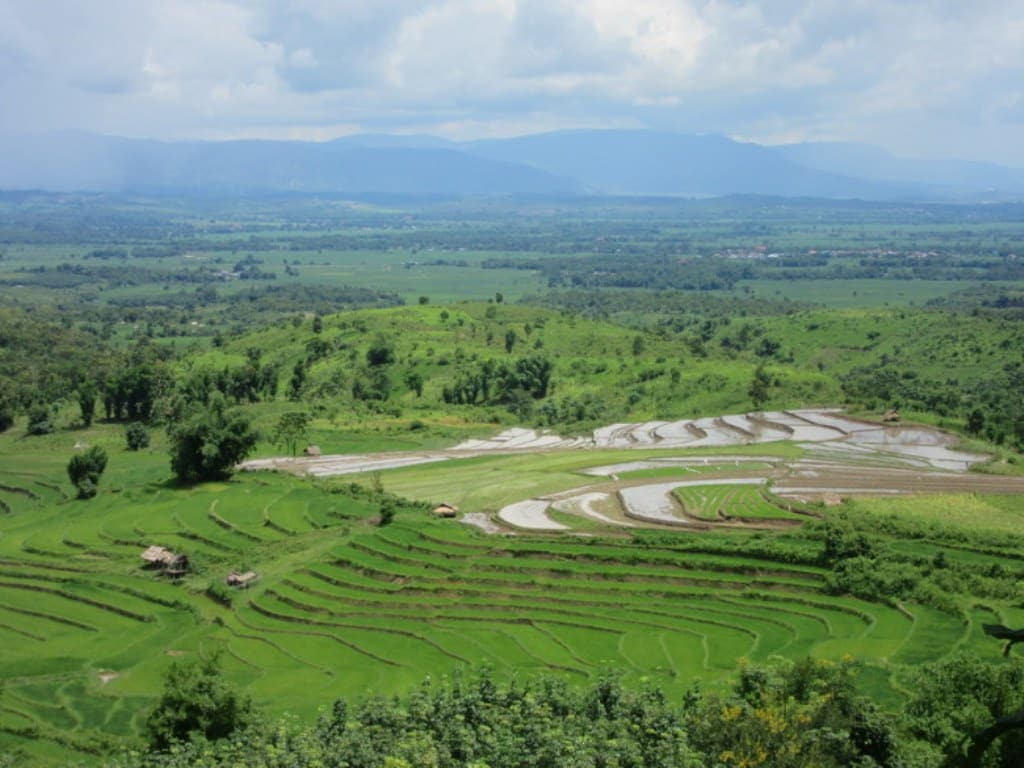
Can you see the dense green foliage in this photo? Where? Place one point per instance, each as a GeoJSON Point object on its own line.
{"type": "Point", "coordinates": [85, 469]}
{"type": "Point", "coordinates": [196, 703]}
{"type": "Point", "coordinates": [136, 436]}
{"type": "Point", "coordinates": [208, 440]}
{"type": "Point", "coordinates": [785, 714]}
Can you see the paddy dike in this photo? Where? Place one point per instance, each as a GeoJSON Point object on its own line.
{"type": "Point", "coordinates": [842, 456]}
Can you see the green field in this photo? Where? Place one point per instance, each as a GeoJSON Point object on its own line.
{"type": "Point", "coordinates": [852, 294]}
{"type": "Point", "coordinates": [724, 502]}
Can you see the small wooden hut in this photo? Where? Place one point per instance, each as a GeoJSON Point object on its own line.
{"type": "Point", "coordinates": [157, 556]}
{"type": "Point", "coordinates": [444, 509]}
{"type": "Point", "coordinates": [241, 580]}
{"type": "Point", "coordinates": [311, 450]}
{"type": "Point", "coordinates": [178, 566]}
{"type": "Point", "coordinates": [892, 416]}
{"type": "Point", "coordinates": [170, 563]}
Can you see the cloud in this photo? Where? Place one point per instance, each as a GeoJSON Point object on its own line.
{"type": "Point", "coordinates": [856, 69]}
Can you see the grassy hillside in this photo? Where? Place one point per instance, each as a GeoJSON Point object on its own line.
{"type": "Point", "coordinates": [601, 371]}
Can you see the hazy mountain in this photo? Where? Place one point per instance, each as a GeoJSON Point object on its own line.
{"type": "Point", "coordinates": [958, 177]}
{"type": "Point", "coordinates": [550, 164]}
{"type": "Point", "coordinates": [84, 162]}
{"type": "Point", "coordinates": [652, 163]}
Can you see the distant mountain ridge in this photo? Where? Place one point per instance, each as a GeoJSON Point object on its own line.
{"type": "Point", "coordinates": [562, 163]}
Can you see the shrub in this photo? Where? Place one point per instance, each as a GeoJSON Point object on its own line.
{"type": "Point", "coordinates": [85, 469]}
{"type": "Point", "coordinates": [136, 436]}
{"type": "Point", "coordinates": [39, 420]}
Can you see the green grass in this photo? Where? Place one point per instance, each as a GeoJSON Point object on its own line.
{"type": "Point", "coordinates": [848, 294]}
{"type": "Point", "coordinates": [971, 512]}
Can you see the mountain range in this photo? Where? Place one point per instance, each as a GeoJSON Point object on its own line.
{"type": "Point", "coordinates": [563, 163]}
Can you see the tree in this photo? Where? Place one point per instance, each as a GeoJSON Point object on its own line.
{"type": "Point", "coordinates": [760, 385]}
{"type": "Point", "coordinates": [136, 436]}
{"type": "Point", "coordinates": [6, 411]}
{"type": "Point", "coordinates": [298, 381]}
{"type": "Point", "coordinates": [196, 701]}
{"type": "Point", "coordinates": [414, 380]}
{"type": "Point", "coordinates": [208, 442]}
{"type": "Point", "coordinates": [87, 394]}
{"type": "Point", "coordinates": [84, 470]}
{"type": "Point", "coordinates": [292, 428]}
{"type": "Point", "coordinates": [318, 324]}
{"type": "Point", "coordinates": [975, 422]}
{"type": "Point", "coordinates": [387, 512]}
{"type": "Point", "coordinates": [510, 340]}
{"type": "Point", "coordinates": [380, 352]}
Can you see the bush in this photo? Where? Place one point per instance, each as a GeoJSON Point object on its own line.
{"type": "Point", "coordinates": [136, 436]}
{"type": "Point", "coordinates": [39, 420]}
{"type": "Point", "coordinates": [387, 512]}
{"type": "Point", "coordinates": [85, 469]}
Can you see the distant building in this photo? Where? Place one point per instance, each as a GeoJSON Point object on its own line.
{"type": "Point", "coordinates": [311, 450]}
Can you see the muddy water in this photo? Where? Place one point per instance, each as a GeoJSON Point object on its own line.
{"type": "Point", "coordinates": [531, 514]}
{"type": "Point", "coordinates": [587, 504]}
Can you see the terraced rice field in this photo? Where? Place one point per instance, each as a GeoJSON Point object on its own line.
{"type": "Point", "coordinates": [565, 581]}
{"type": "Point", "coordinates": [344, 607]}
{"type": "Point", "coordinates": [731, 501]}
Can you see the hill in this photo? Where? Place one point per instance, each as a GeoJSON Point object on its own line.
{"type": "Point", "coordinates": [652, 163]}
{"type": "Point", "coordinates": [945, 177]}
{"type": "Point", "coordinates": [87, 162]}
{"type": "Point", "coordinates": [558, 164]}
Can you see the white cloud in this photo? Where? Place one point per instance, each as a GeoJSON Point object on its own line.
{"type": "Point", "coordinates": [858, 69]}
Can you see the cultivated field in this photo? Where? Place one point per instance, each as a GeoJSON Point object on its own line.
{"type": "Point", "coordinates": [556, 573]}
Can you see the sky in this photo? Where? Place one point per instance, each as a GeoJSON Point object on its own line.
{"type": "Point", "coordinates": [940, 78]}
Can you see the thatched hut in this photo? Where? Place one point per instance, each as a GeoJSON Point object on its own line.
{"type": "Point", "coordinates": [178, 566]}
{"type": "Point", "coordinates": [241, 580]}
{"type": "Point", "coordinates": [170, 563]}
{"type": "Point", "coordinates": [444, 509]}
{"type": "Point", "coordinates": [157, 556]}
{"type": "Point", "coordinates": [891, 416]}
{"type": "Point", "coordinates": [311, 450]}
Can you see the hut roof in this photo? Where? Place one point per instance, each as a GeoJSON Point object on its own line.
{"type": "Point", "coordinates": [236, 579]}
{"type": "Point", "coordinates": [158, 555]}
{"type": "Point", "coordinates": [446, 510]}
{"type": "Point", "coordinates": [311, 450]}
